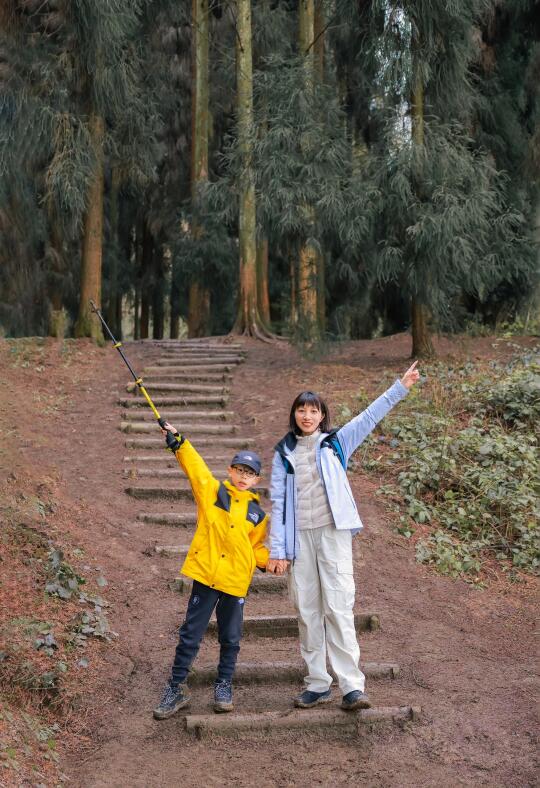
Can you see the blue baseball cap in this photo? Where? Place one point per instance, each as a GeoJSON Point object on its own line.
{"type": "Point", "coordinates": [248, 458]}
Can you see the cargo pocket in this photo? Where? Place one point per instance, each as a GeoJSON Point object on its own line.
{"type": "Point", "coordinates": [339, 594]}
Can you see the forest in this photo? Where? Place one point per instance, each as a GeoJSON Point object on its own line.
{"type": "Point", "coordinates": [318, 170]}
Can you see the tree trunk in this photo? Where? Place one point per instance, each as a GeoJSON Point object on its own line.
{"type": "Point", "coordinates": [158, 294]}
{"type": "Point", "coordinates": [309, 260]}
{"type": "Point", "coordinates": [293, 276]}
{"type": "Point", "coordinates": [319, 26]}
{"type": "Point", "coordinates": [113, 296]}
{"type": "Point", "coordinates": [88, 324]}
{"type": "Point", "coordinates": [248, 319]}
{"type": "Point", "coordinates": [263, 297]}
{"type": "Point", "coordinates": [175, 306]}
{"type": "Point", "coordinates": [199, 151]}
{"type": "Point", "coordinates": [58, 319]}
{"type": "Point", "coordinates": [147, 252]}
{"type": "Point", "coordinates": [422, 345]}
{"type": "Point", "coordinates": [199, 311]}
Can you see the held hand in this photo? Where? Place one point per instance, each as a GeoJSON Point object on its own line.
{"type": "Point", "coordinates": [411, 377]}
{"type": "Point", "coordinates": [277, 566]}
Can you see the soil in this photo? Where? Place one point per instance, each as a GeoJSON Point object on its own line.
{"type": "Point", "coordinates": [467, 656]}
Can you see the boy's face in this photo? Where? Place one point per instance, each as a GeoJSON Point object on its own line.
{"type": "Point", "coordinates": [243, 477]}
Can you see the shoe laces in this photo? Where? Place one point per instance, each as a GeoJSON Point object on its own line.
{"type": "Point", "coordinates": [223, 690]}
{"type": "Point", "coordinates": [170, 694]}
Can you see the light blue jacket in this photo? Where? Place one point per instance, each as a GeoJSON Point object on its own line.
{"type": "Point", "coordinates": [332, 453]}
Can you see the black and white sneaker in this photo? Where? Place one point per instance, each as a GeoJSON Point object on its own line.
{"type": "Point", "coordinates": [174, 698]}
{"type": "Point", "coordinates": [223, 696]}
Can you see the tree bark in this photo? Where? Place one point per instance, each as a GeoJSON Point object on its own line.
{"type": "Point", "coordinates": [147, 252]}
{"type": "Point", "coordinates": [199, 311]}
{"type": "Point", "coordinates": [248, 320]}
{"type": "Point", "coordinates": [263, 297]}
{"type": "Point", "coordinates": [175, 307]}
{"type": "Point", "coordinates": [422, 344]}
{"type": "Point", "coordinates": [88, 324]}
{"type": "Point", "coordinates": [58, 319]}
{"type": "Point", "coordinates": [309, 259]}
{"type": "Point", "coordinates": [319, 26]}
{"type": "Point", "coordinates": [158, 294]}
{"type": "Point", "coordinates": [113, 311]}
{"type": "Point", "coordinates": [199, 152]}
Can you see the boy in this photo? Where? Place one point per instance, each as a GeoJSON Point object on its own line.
{"type": "Point", "coordinates": [227, 547]}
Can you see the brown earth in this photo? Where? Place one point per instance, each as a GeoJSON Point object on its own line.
{"type": "Point", "coordinates": [467, 656]}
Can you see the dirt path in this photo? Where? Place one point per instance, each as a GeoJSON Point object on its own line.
{"type": "Point", "coordinates": [466, 657]}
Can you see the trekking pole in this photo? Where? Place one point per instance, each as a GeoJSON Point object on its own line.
{"type": "Point", "coordinates": [138, 380]}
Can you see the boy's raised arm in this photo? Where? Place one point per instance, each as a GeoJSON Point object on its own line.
{"type": "Point", "coordinates": [203, 482]}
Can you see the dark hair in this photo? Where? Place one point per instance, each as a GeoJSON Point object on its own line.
{"type": "Point", "coordinates": [309, 398]}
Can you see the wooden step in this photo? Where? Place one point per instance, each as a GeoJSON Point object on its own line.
{"type": "Point", "coordinates": [168, 460]}
{"type": "Point", "coordinates": [178, 359]}
{"type": "Point", "coordinates": [173, 492]}
{"type": "Point", "coordinates": [266, 583]}
{"type": "Point", "coordinates": [176, 519]}
{"type": "Point", "coordinates": [176, 401]}
{"type": "Point", "coordinates": [218, 441]}
{"type": "Point", "coordinates": [186, 416]}
{"type": "Point", "coordinates": [282, 672]}
{"type": "Point", "coordinates": [193, 373]}
{"type": "Point", "coordinates": [184, 388]}
{"type": "Point", "coordinates": [193, 429]}
{"type": "Point", "coordinates": [168, 473]}
{"type": "Point", "coordinates": [287, 626]}
{"type": "Point", "coordinates": [201, 347]}
{"type": "Point", "coordinates": [326, 718]}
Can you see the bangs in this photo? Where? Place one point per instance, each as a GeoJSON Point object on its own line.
{"type": "Point", "coordinates": [312, 399]}
{"type": "Point", "coordinates": [309, 398]}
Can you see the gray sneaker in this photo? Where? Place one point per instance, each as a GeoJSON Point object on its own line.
{"type": "Point", "coordinates": [355, 700]}
{"type": "Point", "coordinates": [174, 698]}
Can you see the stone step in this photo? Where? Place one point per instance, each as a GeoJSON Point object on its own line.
{"type": "Point", "coordinates": [321, 718]}
{"type": "Point", "coordinates": [215, 442]}
{"type": "Point", "coordinates": [282, 672]}
{"type": "Point", "coordinates": [193, 429]}
{"type": "Point", "coordinates": [184, 388]}
{"type": "Point", "coordinates": [191, 416]}
{"type": "Point", "coordinates": [179, 359]}
{"type": "Point", "coordinates": [177, 519]}
{"type": "Point", "coordinates": [191, 366]}
{"type": "Point", "coordinates": [176, 401]}
{"type": "Point", "coordinates": [172, 492]}
{"type": "Point", "coordinates": [168, 460]}
{"type": "Point", "coordinates": [270, 584]}
{"type": "Point", "coordinates": [188, 373]}
{"type": "Point", "coordinates": [287, 626]}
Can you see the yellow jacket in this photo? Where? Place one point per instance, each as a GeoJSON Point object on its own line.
{"type": "Point", "coordinates": [231, 529]}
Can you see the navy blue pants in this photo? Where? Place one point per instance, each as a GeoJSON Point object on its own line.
{"type": "Point", "coordinates": [229, 614]}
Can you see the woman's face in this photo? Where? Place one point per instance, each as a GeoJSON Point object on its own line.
{"type": "Point", "coordinates": [308, 418]}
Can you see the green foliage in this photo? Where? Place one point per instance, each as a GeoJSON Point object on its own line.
{"type": "Point", "coordinates": [467, 466]}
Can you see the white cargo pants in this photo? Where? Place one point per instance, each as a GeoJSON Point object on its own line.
{"type": "Point", "coordinates": [321, 587]}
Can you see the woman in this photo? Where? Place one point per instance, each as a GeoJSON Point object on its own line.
{"type": "Point", "coordinates": [314, 518]}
